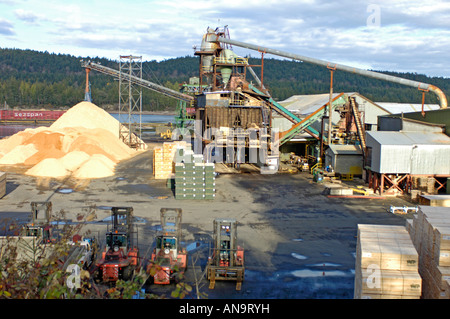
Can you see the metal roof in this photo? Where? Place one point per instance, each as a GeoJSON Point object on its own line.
{"type": "Point", "coordinates": [306, 104]}
{"type": "Point", "coordinates": [397, 108]}
{"type": "Point", "coordinates": [346, 149]}
{"type": "Point", "coordinates": [409, 138]}
{"type": "Point", "coordinates": [416, 153]}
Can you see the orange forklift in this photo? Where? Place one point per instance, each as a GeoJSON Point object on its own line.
{"type": "Point", "coordinates": [169, 260]}
{"type": "Point", "coordinates": [120, 258]}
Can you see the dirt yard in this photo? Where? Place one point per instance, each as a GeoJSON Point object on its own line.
{"type": "Point", "coordinates": [298, 242]}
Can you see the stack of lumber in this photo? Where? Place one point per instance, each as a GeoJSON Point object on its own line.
{"type": "Point", "coordinates": [164, 159]}
{"type": "Point", "coordinates": [186, 172]}
{"type": "Point", "coordinates": [386, 264]}
{"type": "Point", "coordinates": [194, 179]}
{"type": "Point", "coordinates": [2, 184]}
{"type": "Point", "coordinates": [430, 232]}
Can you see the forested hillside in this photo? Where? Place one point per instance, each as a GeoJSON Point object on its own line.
{"type": "Point", "coordinates": [31, 79]}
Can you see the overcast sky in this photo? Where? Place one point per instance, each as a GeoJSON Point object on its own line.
{"type": "Point", "coordinates": [395, 35]}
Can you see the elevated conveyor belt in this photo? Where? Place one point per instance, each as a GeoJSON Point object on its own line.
{"type": "Point", "coordinates": [212, 37]}
{"type": "Point", "coordinates": [299, 124]}
{"type": "Point", "coordinates": [138, 81]}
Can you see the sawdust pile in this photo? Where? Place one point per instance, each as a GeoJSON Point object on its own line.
{"type": "Point", "coordinates": [83, 143]}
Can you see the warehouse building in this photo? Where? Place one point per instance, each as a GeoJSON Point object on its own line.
{"type": "Point", "coordinates": [402, 161]}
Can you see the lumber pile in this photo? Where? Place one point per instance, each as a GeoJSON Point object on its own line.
{"type": "Point", "coordinates": [195, 179]}
{"type": "Point", "coordinates": [164, 159]}
{"type": "Point", "coordinates": [430, 232]}
{"type": "Point", "coordinates": [186, 172]}
{"type": "Point", "coordinates": [2, 184]}
{"type": "Point", "coordinates": [386, 264]}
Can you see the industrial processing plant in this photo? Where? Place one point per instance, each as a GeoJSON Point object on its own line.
{"type": "Point", "coordinates": [243, 196]}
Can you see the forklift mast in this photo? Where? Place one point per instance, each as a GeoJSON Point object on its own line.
{"type": "Point", "coordinates": [119, 259]}
{"type": "Point", "coordinates": [171, 221]}
{"type": "Point", "coordinates": [122, 227]}
{"type": "Point", "coordinates": [170, 236]}
{"type": "Point", "coordinates": [227, 259]}
{"type": "Point", "coordinates": [40, 222]}
{"type": "Point", "coordinates": [39, 219]}
{"type": "Point", "coordinates": [225, 235]}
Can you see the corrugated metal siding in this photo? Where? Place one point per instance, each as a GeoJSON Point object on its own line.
{"type": "Point", "coordinates": [395, 159]}
{"type": "Point", "coordinates": [409, 153]}
{"type": "Point", "coordinates": [428, 158]}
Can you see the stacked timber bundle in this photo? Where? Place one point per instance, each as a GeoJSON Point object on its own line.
{"type": "Point", "coordinates": [386, 264]}
{"type": "Point", "coordinates": [164, 159]}
{"type": "Point", "coordinates": [2, 184]}
{"type": "Point", "coordinates": [185, 171]}
{"type": "Point", "coordinates": [194, 179]}
{"type": "Point", "coordinates": [430, 232]}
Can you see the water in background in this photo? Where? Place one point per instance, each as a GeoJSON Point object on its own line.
{"type": "Point", "coordinates": [8, 130]}
{"type": "Point", "coordinates": [11, 129]}
{"type": "Point", "coordinates": [147, 118]}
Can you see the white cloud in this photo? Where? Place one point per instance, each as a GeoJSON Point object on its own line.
{"type": "Point", "coordinates": [6, 28]}
{"type": "Point", "coordinates": [27, 16]}
{"type": "Point", "coordinates": [413, 35]}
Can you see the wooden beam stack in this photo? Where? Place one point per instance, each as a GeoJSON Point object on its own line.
{"type": "Point", "coordinates": [164, 159]}
{"type": "Point", "coordinates": [195, 179]}
{"type": "Point", "coordinates": [2, 184]}
{"type": "Point", "coordinates": [430, 232]}
{"type": "Point", "coordinates": [386, 264]}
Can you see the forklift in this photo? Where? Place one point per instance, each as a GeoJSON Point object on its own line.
{"type": "Point", "coordinates": [227, 259]}
{"type": "Point", "coordinates": [169, 260]}
{"type": "Point", "coordinates": [39, 226]}
{"type": "Point", "coordinates": [120, 257]}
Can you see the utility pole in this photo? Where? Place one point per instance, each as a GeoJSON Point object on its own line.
{"type": "Point", "coordinates": [330, 104]}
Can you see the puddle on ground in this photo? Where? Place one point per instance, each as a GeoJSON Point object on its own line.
{"type": "Point", "coordinates": [156, 227]}
{"type": "Point", "coordinates": [193, 246]}
{"type": "Point", "coordinates": [298, 256]}
{"type": "Point", "coordinates": [136, 220]}
{"type": "Point", "coordinates": [324, 265]}
{"type": "Point", "coordinates": [63, 222]}
{"type": "Point", "coordinates": [317, 273]}
{"type": "Point", "coordinates": [65, 190]}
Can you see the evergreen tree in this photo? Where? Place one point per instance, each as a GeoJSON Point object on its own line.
{"type": "Point", "coordinates": [32, 79]}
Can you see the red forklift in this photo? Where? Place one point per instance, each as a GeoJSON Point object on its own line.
{"type": "Point", "coordinates": [169, 260]}
{"type": "Point", "coordinates": [120, 259]}
{"type": "Point", "coordinates": [226, 262]}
